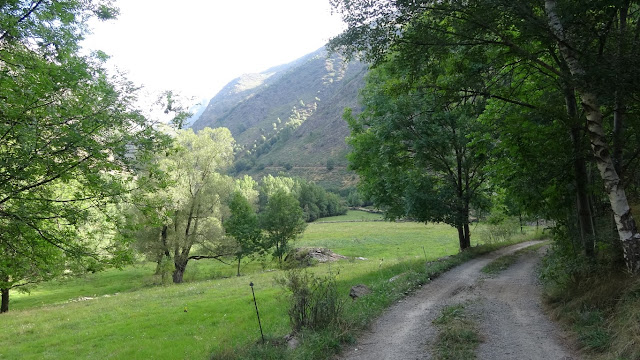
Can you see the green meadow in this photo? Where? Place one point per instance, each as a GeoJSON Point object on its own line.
{"type": "Point", "coordinates": [131, 314]}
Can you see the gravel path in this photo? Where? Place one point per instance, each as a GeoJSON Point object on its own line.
{"type": "Point", "coordinates": [507, 308]}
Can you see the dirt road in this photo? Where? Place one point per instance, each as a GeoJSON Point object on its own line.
{"type": "Point", "coordinates": [507, 308]}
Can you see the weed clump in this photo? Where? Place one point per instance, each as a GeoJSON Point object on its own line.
{"type": "Point", "coordinates": [458, 336]}
{"type": "Point", "coordinates": [313, 301]}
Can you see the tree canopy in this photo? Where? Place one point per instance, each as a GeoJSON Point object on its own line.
{"type": "Point", "coordinates": [70, 138]}
{"type": "Point", "coordinates": [515, 54]}
{"type": "Point", "coordinates": [184, 219]}
{"type": "Point", "coordinates": [412, 148]}
{"type": "Point", "coordinates": [283, 221]}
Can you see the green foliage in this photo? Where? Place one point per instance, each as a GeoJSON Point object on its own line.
{"type": "Point", "coordinates": [243, 226]}
{"type": "Point", "coordinates": [313, 301]}
{"type": "Point", "coordinates": [187, 213]}
{"type": "Point", "coordinates": [314, 200]}
{"type": "Point", "coordinates": [71, 141]}
{"type": "Point", "coordinates": [331, 164]}
{"type": "Point", "coordinates": [317, 202]}
{"type": "Point", "coordinates": [283, 221]}
{"type": "Point", "coordinates": [499, 227]}
{"type": "Point", "coordinates": [354, 199]}
{"type": "Point", "coordinates": [534, 83]}
{"type": "Point", "coordinates": [412, 148]}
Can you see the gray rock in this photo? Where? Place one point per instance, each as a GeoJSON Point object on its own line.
{"type": "Point", "coordinates": [359, 290]}
{"type": "Point", "coordinates": [292, 341]}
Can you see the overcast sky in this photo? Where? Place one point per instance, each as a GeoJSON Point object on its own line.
{"type": "Point", "coordinates": [197, 46]}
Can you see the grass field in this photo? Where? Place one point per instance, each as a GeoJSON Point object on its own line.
{"type": "Point", "coordinates": [352, 215]}
{"type": "Point", "coordinates": [130, 316]}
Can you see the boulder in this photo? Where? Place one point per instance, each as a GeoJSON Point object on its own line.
{"type": "Point", "coordinates": [307, 256]}
{"type": "Point", "coordinates": [359, 291]}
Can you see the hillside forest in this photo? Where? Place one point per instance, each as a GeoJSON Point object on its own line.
{"type": "Point", "coordinates": [494, 111]}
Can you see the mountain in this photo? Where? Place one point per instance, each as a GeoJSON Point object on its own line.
{"type": "Point", "coordinates": [196, 110]}
{"type": "Point", "coordinates": [289, 118]}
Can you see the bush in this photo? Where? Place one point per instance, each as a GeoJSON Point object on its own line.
{"type": "Point", "coordinates": [331, 164]}
{"type": "Point", "coordinates": [354, 199]}
{"type": "Point", "coordinates": [313, 301]}
{"type": "Point", "coordinates": [499, 229]}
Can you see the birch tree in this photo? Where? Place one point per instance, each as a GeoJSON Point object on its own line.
{"type": "Point", "coordinates": [625, 223]}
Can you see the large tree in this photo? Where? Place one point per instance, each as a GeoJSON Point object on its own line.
{"type": "Point", "coordinates": [586, 48]}
{"type": "Point", "coordinates": [282, 220]}
{"type": "Point", "coordinates": [243, 226]}
{"type": "Point", "coordinates": [412, 148]}
{"type": "Point", "coordinates": [185, 217]}
{"type": "Point", "coordinates": [69, 138]}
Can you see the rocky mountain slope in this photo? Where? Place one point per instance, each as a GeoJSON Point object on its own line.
{"type": "Point", "coordinates": [289, 118]}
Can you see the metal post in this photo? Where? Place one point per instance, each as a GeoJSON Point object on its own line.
{"type": "Point", "coordinates": [257, 313]}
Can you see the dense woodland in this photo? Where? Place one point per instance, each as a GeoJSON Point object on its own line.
{"type": "Point", "coordinates": [486, 109]}
{"type": "Point", "coordinates": [533, 101]}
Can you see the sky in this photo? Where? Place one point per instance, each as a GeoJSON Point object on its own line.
{"type": "Point", "coordinates": [195, 47]}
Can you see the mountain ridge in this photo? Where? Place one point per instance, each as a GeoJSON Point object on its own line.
{"type": "Point", "coordinates": [289, 117]}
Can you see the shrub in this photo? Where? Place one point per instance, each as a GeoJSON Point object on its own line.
{"type": "Point", "coordinates": [313, 301]}
{"type": "Point", "coordinates": [499, 229]}
{"type": "Point", "coordinates": [331, 164]}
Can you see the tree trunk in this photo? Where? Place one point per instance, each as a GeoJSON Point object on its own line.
{"type": "Point", "coordinates": [520, 222]}
{"type": "Point", "coordinates": [163, 238]}
{"type": "Point", "coordinates": [4, 307]}
{"type": "Point", "coordinates": [580, 174]}
{"type": "Point", "coordinates": [239, 258]}
{"type": "Point", "coordinates": [464, 234]}
{"type": "Point", "coordinates": [627, 230]}
{"type": "Point", "coordinates": [619, 107]}
{"type": "Point", "coordinates": [178, 273]}
{"type": "Point", "coordinates": [585, 221]}
{"type": "Point", "coordinates": [467, 235]}
{"type": "Point", "coordinates": [461, 237]}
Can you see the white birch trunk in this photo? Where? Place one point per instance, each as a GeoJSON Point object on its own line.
{"type": "Point", "coordinates": [625, 223]}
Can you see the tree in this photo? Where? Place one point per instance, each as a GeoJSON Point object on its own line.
{"type": "Point", "coordinates": [283, 221]}
{"type": "Point", "coordinates": [412, 148]}
{"type": "Point", "coordinates": [585, 48]}
{"type": "Point", "coordinates": [272, 184]}
{"type": "Point", "coordinates": [316, 202]}
{"type": "Point", "coordinates": [244, 227]}
{"type": "Point", "coordinates": [187, 214]}
{"type": "Point", "coordinates": [588, 89]}
{"type": "Point", "coordinates": [70, 140]}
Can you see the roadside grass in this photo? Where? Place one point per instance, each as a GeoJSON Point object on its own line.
{"type": "Point", "coordinates": [148, 320]}
{"type": "Point", "coordinates": [358, 315]}
{"type": "Point", "coordinates": [602, 312]}
{"type": "Point", "coordinates": [458, 335]}
{"type": "Point", "coordinates": [504, 262]}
